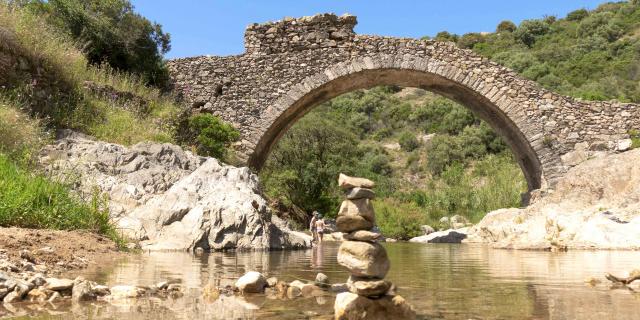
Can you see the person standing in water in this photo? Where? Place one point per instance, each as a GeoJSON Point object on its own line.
{"type": "Point", "coordinates": [312, 226]}
{"type": "Point", "coordinates": [320, 228]}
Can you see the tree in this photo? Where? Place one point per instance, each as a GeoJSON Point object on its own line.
{"type": "Point", "coordinates": [469, 40]}
{"type": "Point", "coordinates": [506, 26]}
{"type": "Point", "coordinates": [109, 31]}
{"type": "Point", "coordinates": [304, 166]}
{"type": "Point", "coordinates": [446, 36]}
{"type": "Point", "coordinates": [529, 31]}
{"type": "Point", "coordinates": [577, 15]}
{"type": "Point", "coordinates": [211, 135]}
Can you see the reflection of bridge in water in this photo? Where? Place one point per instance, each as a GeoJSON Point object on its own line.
{"type": "Point", "coordinates": [292, 65]}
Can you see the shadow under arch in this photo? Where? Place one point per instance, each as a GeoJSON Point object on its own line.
{"type": "Point", "coordinates": [482, 106]}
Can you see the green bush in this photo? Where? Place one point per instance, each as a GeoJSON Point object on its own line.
{"type": "Point", "coordinates": [211, 135]}
{"type": "Point", "coordinates": [530, 30]}
{"type": "Point", "coordinates": [399, 220]}
{"type": "Point", "coordinates": [408, 141]}
{"type": "Point", "coordinates": [506, 26]}
{"type": "Point", "coordinates": [30, 200]}
{"type": "Point", "coordinates": [635, 138]}
{"type": "Point", "coordinates": [577, 15]}
{"type": "Point", "coordinates": [111, 32]}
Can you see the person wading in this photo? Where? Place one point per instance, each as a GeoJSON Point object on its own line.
{"type": "Point", "coordinates": [312, 226]}
{"type": "Point", "coordinates": [320, 228]}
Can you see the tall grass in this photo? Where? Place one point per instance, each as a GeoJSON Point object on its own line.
{"type": "Point", "coordinates": [54, 87]}
{"type": "Point", "coordinates": [31, 200]}
{"type": "Point", "coordinates": [49, 91]}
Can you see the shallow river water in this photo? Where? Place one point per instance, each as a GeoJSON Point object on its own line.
{"type": "Point", "coordinates": [440, 281]}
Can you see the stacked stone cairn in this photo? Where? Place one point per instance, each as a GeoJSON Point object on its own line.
{"type": "Point", "coordinates": [369, 296]}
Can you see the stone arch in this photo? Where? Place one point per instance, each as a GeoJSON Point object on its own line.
{"type": "Point", "coordinates": [469, 88]}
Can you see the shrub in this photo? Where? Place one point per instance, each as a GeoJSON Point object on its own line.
{"type": "Point", "coordinates": [469, 40]}
{"type": "Point", "coordinates": [399, 220]}
{"type": "Point", "coordinates": [577, 15]}
{"type": "Point", "coordinates": [506, 26]}
{"type": "Point", "coordinates": [530, 30]}
{"type": "Point", "coordinates": [408, 141]}
{"type": "Point", "coordinates": [20, 136]}
{"type": "Point", "coordinates": [211, 135]}
{"type": "Point", "coordinates": [635, 138]}
{"type": "Point", "coordinates": [446, 36]}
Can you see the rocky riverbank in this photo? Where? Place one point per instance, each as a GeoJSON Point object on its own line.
{"type": "Point", "coordinates": [596, 206]}
{"type": "Point", "coordinates": [170, 199]}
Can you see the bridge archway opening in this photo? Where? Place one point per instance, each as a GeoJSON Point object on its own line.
{"type": "Point", "coordinates": [477, 103]}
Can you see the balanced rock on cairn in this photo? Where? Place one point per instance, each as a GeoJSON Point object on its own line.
{"type": "Point", "coordinates": [369, 296]}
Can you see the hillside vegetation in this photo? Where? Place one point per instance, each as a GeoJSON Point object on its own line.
{"type": "Point", "coordinates": [48, 84]}
{"type": "Point", "coordinates": [430, 156]}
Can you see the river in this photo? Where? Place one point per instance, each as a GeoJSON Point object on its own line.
{"type": "Point", "coordinates": [441, 282]}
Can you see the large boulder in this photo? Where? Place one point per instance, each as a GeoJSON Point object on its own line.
{"type": "Point", "coordinates": [447, 236]}
{"type": "Point", "coordinates": [170, 199]}
{"type": "Point", "coordinates": [596, 205]}
{"type": "Point", "coordinates": [368, 287]}
{"type": "Point", "coordinates": [355, 215]}
{"type": "Point", "coordinates": [364, 259]}
{"type": "Point", "coordinates": [350, 306]}
{"type": "Point", "coordinates": [360, 193]}
{"type": "Point", "coordinates": [251, 282]}
{"type": "Point", "coordinates": [346, 182]}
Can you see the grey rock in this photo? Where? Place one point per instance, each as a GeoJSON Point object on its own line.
{"type": "Point", "coordinates": [82, 291]}
{"type": "Point", "coordinates": [346, 182]}
{"type": "Point", "coordinates": [362, 235]}
{"type": "Point", "coordinates": [251, 282]}
{"type": "Point", "coordinates": [56, 284]}
{"type": "Point", "coordinates": [352, 306]}
{"type": "Point", "coordinates": [364, 259]}
{"type": "Point", "coordinates": [170, 199]}
{"type": "Point", "coordinates": [360, 193]}
{"type": "Point", "coordinates": [368, 287]}
{"type": "Point", "coordinates": [447, 236]}
{"type": "Point", "coordinates": [322, 280]}
{"type": "Point", "coordinates": [427, 229]}
{"type": "Point", "coordinates": [355, 215]}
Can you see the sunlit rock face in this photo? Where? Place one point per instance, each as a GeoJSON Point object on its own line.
{"type": "Point", "coordinates": [170, 199]}
{"type": "Point", "coordinates": [596, 205]}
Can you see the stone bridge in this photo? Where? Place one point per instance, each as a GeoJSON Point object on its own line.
{"type": "Point", "coordinates": [292, 65]}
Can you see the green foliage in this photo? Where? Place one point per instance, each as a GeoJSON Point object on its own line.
{"type": "Point", "coordinates": [446, 36]}
{"type": "Point", "coordinates": [469, 40]}
{"type": "Point", "coordinates": [53, 87]}
{"type": "Point", "coordinates": [211, 135]}
{"type": "Point", "coordinates": [635, 138]}
{"type": "Point", "coordinates": [408, 141]}
{"type": "Point", "coordinates": [32, 201]}
{"type": "Point", "coordinates": [506, 26]}
{"type": "Point", "coordinates": [577, 15]}
{"type": "Point", "coordinates": [530, 30]}
{"type": "Point", "coordinates": [304, 167]}
{"type": "Point", "coordinates": [111, 32]}
{"type": "Point", "coordinates": [399, 220]}
{"type": "Point", "coordinates": [593, 55]}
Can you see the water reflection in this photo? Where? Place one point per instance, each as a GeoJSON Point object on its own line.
{"type": "Point", "coordinates": [441, 281]}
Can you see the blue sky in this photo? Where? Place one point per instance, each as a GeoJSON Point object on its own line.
{"type": "Point", "coordinates": [216, 27]}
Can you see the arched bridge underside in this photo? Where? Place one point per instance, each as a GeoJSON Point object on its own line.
{"type": "Point", "coordinates": [292, 65]}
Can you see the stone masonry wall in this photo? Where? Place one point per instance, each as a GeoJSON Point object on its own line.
{"type": "Point", "coordinates": [293, 64]}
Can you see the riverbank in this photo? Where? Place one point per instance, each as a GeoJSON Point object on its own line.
{"type": "Point", "coordinates": [52, 252]}
{"type": "Point", "coordinates": [595, 206]}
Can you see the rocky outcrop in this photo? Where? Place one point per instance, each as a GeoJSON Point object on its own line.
{"type": "Point", "coordinates": [447, 236]}
{"type": "Point", "coordinates": [595, 206]}
{"type": "Point", "coordinates": [170, 199]}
